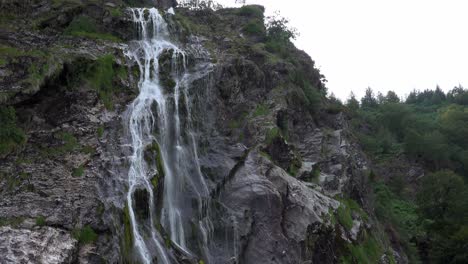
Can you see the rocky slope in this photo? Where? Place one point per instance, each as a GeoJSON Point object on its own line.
{"type": "Point", "coordinates": [288, 181]}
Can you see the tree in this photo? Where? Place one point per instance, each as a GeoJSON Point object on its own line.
{"type": "Point", "coordinates": [412, 97]}
{"type": "Point", "coordinates": [278, 28]}
{"type": "Point", "coordinates": [369, 101]}
{"type": "Point", "coordinates": [454, 122]}
{"type": "Point", "coordinates": [352, 103]}
{"type": "Point", "coordinates": [438, 96]}
{"type": "Point", "coordinates": [392, 97]}
{"type": "Point", "coordinates": [442, 198]}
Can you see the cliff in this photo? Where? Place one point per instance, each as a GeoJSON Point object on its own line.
{"type": "Point", "coordinates": [286, 180]}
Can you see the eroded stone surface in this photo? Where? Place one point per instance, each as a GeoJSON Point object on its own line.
{"type": "Point", "coordinates": [43, 245]}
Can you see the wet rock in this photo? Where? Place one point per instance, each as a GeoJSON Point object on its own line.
{"type": "Point", "coordinates": [141, 199]}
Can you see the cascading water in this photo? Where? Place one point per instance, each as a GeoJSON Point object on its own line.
{"type": "Point", "coordinates": [159, 118]}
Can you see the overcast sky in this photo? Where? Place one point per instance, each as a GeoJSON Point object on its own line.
{"type": "Point", "coordinates": [397, 45]}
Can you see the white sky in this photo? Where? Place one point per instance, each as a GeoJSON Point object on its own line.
{"type": "Point", "coordinates": [397, 45]}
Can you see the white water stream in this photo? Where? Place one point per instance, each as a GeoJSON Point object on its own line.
{"type": "Point", "coordinates": [161, 115]}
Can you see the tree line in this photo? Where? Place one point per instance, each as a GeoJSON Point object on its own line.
{"type": "Point", "coordinates": [429, 128]}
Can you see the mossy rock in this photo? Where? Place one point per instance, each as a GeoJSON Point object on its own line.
{"type": "Point", "coordinates": [127, 238]}
{"type": "Point", "coordinates": [153, 155]}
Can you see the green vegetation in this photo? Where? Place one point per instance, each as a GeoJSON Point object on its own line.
{"type": "Point", "coordinates": [13, 222]}
{"type": "Point", "coordinates": [100, 131]}
{"type": "Point", "coordinates": [429, 128]}
{"type": "Point", "coordinates": [272, 134]}
{"type": "Point", "coordinates": [11, 136]}
{"type": "Point", "coordinates": [344, 214]}
{"type": "Point", "coordinates": [279, 35]}
{"type": "Point", "coordinates": [256, 28]}
{"type": "Point", "coordinates": [78, 172]}
{"type": "Point", "coordinates": [251, 11]}
{"type": "Point", "coordinates": [261, 110]}
{"type": "Point", "coordinates": [40, 221]}
{"type": "Point", "coordinates": [69, 143]}
{"type": "Point", "coordinates": [86, 235]}
{"type": "Point", "coordinates": [84, 26]}
{"type": "Point", "coordinates": [127, 239]}
{"type": "Point", "coordinates": [116, 12]}
{"type": "Point", "coordinates": [153, 154]}
{"type": "Point", "coordinates": [367, 252]}
{"type": "Point", "coordinates": [101, 75]}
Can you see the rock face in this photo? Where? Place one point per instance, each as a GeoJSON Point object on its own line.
{"type": "Point", "coordinates": [278, 169]}
{"type": "Point", "coordinates": [41, 245]}
{"type": "Point", "coordinates": [272, 211]}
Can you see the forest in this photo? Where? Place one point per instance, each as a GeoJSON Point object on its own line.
{"type": "Point", "coordinates": [428, 128]}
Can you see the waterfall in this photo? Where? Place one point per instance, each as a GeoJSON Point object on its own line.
{"type": "Point", "coordinates": [159, 128]}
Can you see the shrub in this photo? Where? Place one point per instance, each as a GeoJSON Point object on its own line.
{"type": "Point", "coordinates": [251, 11]}
{"type": "Point", "coordinates": [279, 35]}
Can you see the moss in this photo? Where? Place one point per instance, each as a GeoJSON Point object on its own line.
{"type": "Point", "coordinates": [78, 172]}
{"type": "Point", "coordinates": [261, 110]}
{"type": "Point", "coordinates": [116, 12]}
{"type": "Point", "coordinates": [266, 155]}
{"type": "Point", "coordinates": [316, 171]}
{"type": "Point", "coordinates": [86, 235]}
{"type": "Point", "coordinates": [11, 136]}
{"type": "Point", "coordinates": [88, 149]}
{"type": "Point", "coordinates": [127, 240]}
{"type": "Point", "coordinates": [100, 209]}
{"type": "Point", "coordinates": [101, 75]}
{"type": "Point", "coordinates": [13, 222]}
{"type": "Point", "coordinates": [344, 217]}
{"type": "Point", "coordinates": [272, 134]}
{"type": "Point", "coordinates": [84, 26]}
{"type": "Point", "coordinates": [69, 144]}
{"type": "Point", "coordinates": [168, 83]}
{"type": "Point", "coordinates": [100, 131]}
{"type": "Point", "coordinates": [167, 241]}
{"type": "Point", "coordinates": [233, 124]}
{"type": "Point", "coordinates": [40, 221]}
{"type": "Point", "coordinates": [8, 51]}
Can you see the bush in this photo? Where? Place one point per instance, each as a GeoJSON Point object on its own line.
{"type": "Point", "coordinates": [251, 11]}
{"type": "Point", "coordinates": [279, 35]}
